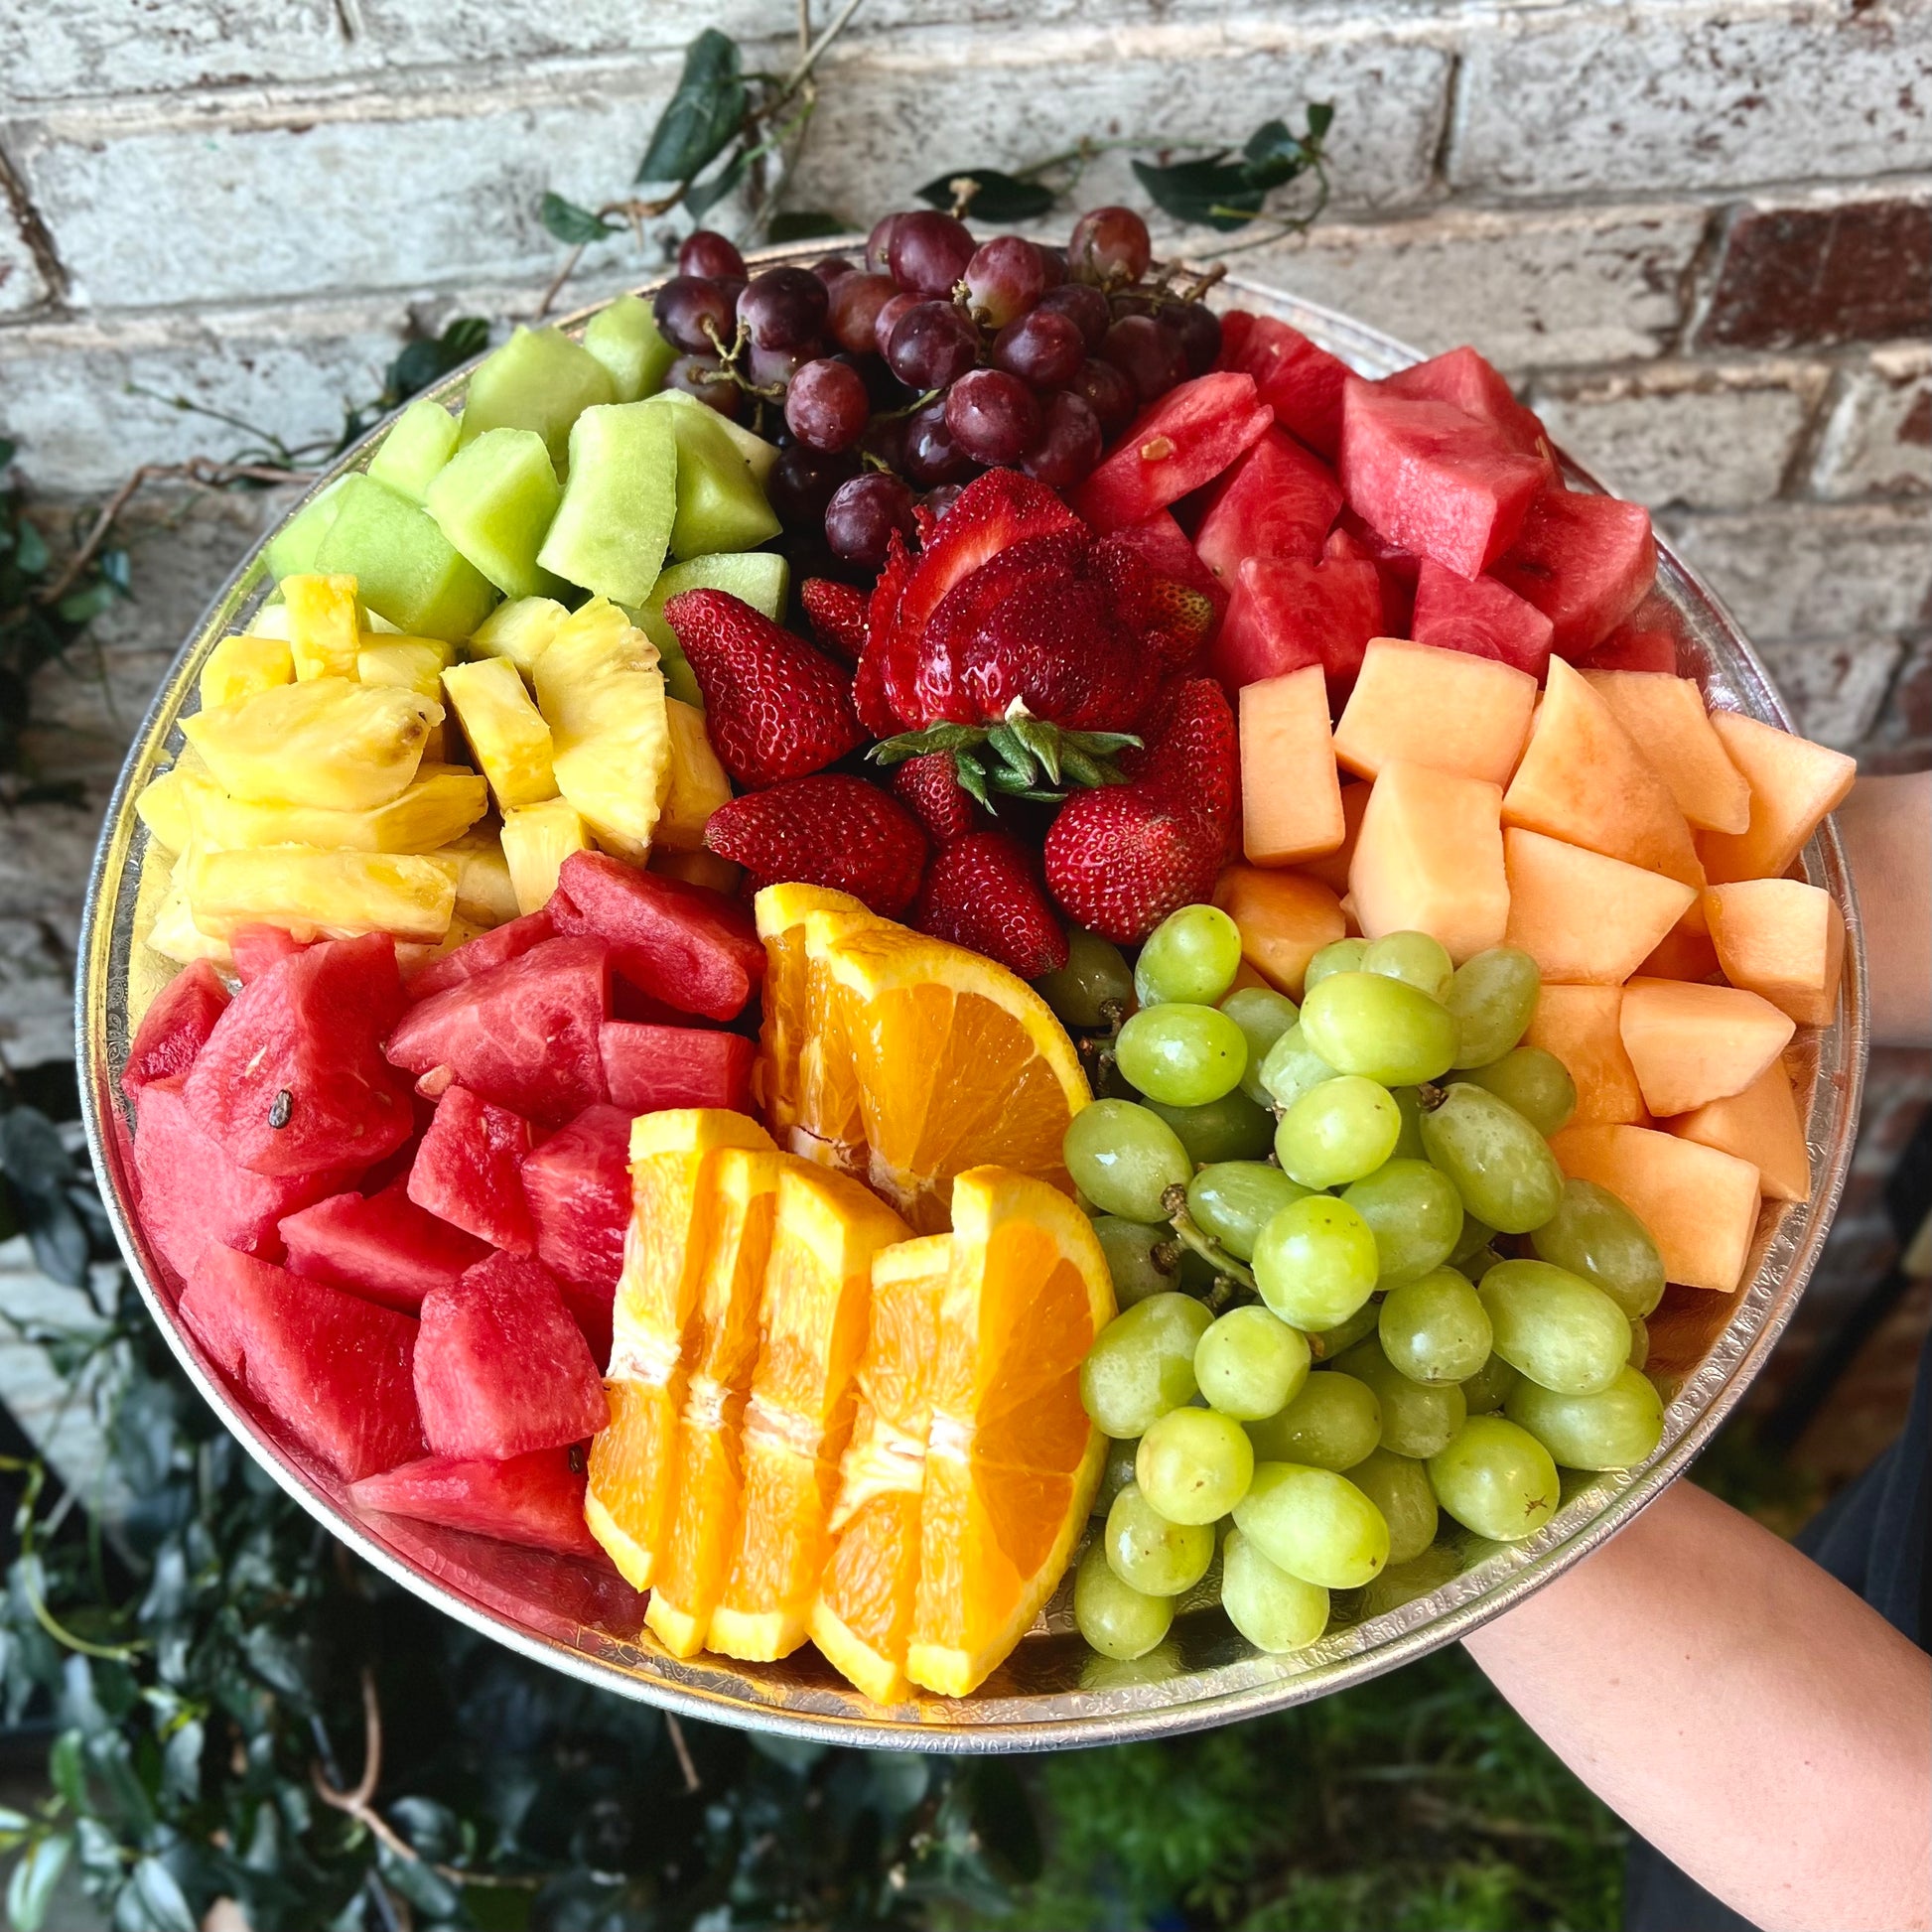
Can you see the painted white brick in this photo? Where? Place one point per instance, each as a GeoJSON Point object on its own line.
{"type": "Point", "coordinates": [36, 1005]}
{"type": "Point", "coordinates": [1836, 687]}
{"type": "Point", "coordinates": [1590, 99]}
{"type": "Point", "coordinates": [22, 285]}
{"type": "Point", "coordinates": [1534, 288]}
{"type": "Point", "coordinates": [1809, 571]}
{"type": "Point", "coordinates": [1878, 436]}
{"type": "Point", "coordinates": [1721, 438]}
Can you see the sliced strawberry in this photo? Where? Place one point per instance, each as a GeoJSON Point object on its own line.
{"type": "Point", "coordinates": [982, 892]}
{"type": "Point", "coordinates": [1192, 759]}
{"type": "Point", "coordinates": [825, 830]}
{"type": "Point", "coordinates": [1118, 861]}
{"type": "Point", "coordinates": [928, 787]}
{"type": "Point", "coordinates": [838, 615]}
{"type": "Point", "coordinates": [869, 693]}
{"type": "Point", "coordinates": [1163, 545]}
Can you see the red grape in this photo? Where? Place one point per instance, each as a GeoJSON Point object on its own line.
{"type": "Point", "coordinates": [826, 406]}
{"type": "Point", "coordinates": [931, 345]}
{"type": "Point", "coordinates": [832, 268]}
{"type": "Point", "coordinates": [803, 482]}
{"type": "Point", "coordinates": [1150, 357]}
{"type": "Point", "coordinates": [888, 318]}
{"type": "Point", "coordinates": [878, 245]}
{"type": "Point", "coordinates": [707, 253]}
{"type": "Point", "coordinates": [929, 454]}
{"type": "Point", "coordinates": [1004, 279]}
{"type": "Point", "coordinates": [704, 377]}
{"type": "Point", "coordinates": [1109, 245]}
{"type": "Point", "coordinates": [853, 304]}
{"type": "Point", "coordinates": [684, 306]}
{"type": "Point", "coordinates": [1108, 394]}
{"type": "Point", "coordinates": [1053, 261]}
{"type": "Point", "coordinates": [1069, 444]}
{"type": "Point", "coordinates": [783, 308]}
{"type": "Point", "coordinates": [938, 501]}
{"type": "Point", "coordinates": [1084, 306]}
{"type": "Point", "coordinates": [1044, 348]}
{"type": "Point", "coordinates": [864, 514]}
{"type": "Point", "coordinates": [929, 251]}
{"type": "Point", "coordinates": [992, 415]}
{"type": "Point", "coordinates": [774, 368]}
{"type": "Point", "coordinates": [1198, 329]}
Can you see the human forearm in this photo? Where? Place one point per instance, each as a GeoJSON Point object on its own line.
{"type": "Point", "coordinates": [1886, 826]}
{"type": "Point", "coordinates": [1742, 1710]}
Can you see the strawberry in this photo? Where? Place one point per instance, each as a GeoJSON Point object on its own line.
{"type": "Point", "coordinates": [775, 708]}
{"type": "Point", "coordinates": [928, 787]}
{"type": "Point", "coordinates": [826, 829]}
{"type": "Point", "coordinates": [838, 615]}
{"type": "Point", "coordinates": [981, 892]}
{"type": "Point", "coordinates": [1119, 861]}
{"type": "Point", "coordinates": [869, 694]}
{"type": "Point", "coordinates": [1193, 760]}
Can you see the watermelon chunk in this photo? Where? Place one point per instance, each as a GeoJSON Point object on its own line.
{"type": "Point", "coordinates": [333, 1369]}
{"type": "Point", "coordinates": [291, 1078]}
{"type": "Point", "coordinates": [483, 954]}
{"type": "Point", "coordinates": [535, 1500]}
{"type": "Point", "coordinates": [193, 1194]}
{"type": "Point", "coordinates": [652, 1067]}
{"type": "Point", "coordinates": [578, 1185]}
{"type": "Point", "coordinates": [1298, 382]}
{"type": "Point", "coordinates": [1437, 482]}
{"type": "Point", "coordinates": [1646, 640]}
{"type": "Point", "coordinates": [691, 947]}
{"type": "Point", "coordinates": [1162, 544]}
{"type": "Point", "coordinates": [255, 948]}
{"type": "Point", "coordinates": [1277, 502]}
{"type": "Point", "coordinates": [523, 1034]}
{"type": "Point", "coordinates": [1481, 617]}
{"type": "Point", "coordinates": [1471, 383]}
{"type": "Point", "coordinates": [1286, 614]}
{"type": "Point", "coordinates": [379, 1245]}
{"type": "Point", "coordinates": [1174, 446]}
{"type": "Point", "coordinates": [468, 1170]}
{"type": "Point", "coordinates": [1351, 538]}
{"type": "Point", "coordinates": [175, 1027]}
{"type": "Point", "coordinates": [500, 1367]}
{"type": "Point", "coordinates": [1585, 562]}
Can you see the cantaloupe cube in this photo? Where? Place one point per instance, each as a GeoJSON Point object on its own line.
{"type": "Point", "coordinates": [1430, 859]}
{"type": "Point", "coordinates": [1578, 1025]}
{"type": "Point", "coordinates": [1782, 939]}
{"type": "Point", "coordinates": [1760, 1125]}
{"type": "Point", "coordinates": [1584, 780]}
{"type": "Point", "coordinates": [1793, 783]}
{"type": "Point", "coordinates": [1694, 1044]}
{"type": "Point", "coordinates": [1332, 867]}
{"type": "Point", "coordinates": [1290, 798]}
{"type": "Point", "coordinates": [1584, 918]}
{"type": "Point", "coordinates": [1446, 709]}
{"type": "Point", "coordinates": [1665, 715]}
{"type": "Point", "coordinates": [1699, 1202]}
{"type": "Point", "coordinates": [1684, 951]}
{"type": "Point", "coordinates": [1285, 919]}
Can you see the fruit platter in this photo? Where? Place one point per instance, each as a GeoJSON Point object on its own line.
{"type": "Point", "coordinates": [969, 995]}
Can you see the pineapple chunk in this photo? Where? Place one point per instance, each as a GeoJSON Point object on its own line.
{"type": "Point", "coordinates": [330, 743]}
{"type": "Point", "coordinates": [324, 624]}
{"type": "Point", "coordinates": [175, 935]}
{"type": "Point", "coordinates": [327, 895]}
{"type": "Point", "coordinates": [412, 957]}
{"type": "Point", "coordinates": [697, 782]}
{"type": "Point", "coordinates": [238, 667]}
{"type": "Point", "coordinates": [442, 804]}
{"type": "Point", "coordinates": [484, 895]}
{"type": "Point", "coordinates": [507, 732]}
{"type": "Point", "coordinates": [521, 630]}
{"type": "Point", "coordinates": [271, 620]}
{"type": "Point", "coordinates": [415, 663]}
{"type": "Point", "coordinates": [599, 685]}
{"type": "Point", "coordinates": [165, 804]}
{"type": "Point", "coordinates": [536, 841]}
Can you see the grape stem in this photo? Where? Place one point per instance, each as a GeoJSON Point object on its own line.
{"type": "Point", "coordinates": [1191, 1234]}
{"type": "Point", "coordinates": [1428, 1096]}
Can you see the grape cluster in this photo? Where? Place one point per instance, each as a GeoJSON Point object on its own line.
{"type": "Point", "coordinates": [1365, 1168]}
{"type": "Point", "coordinates": [899, 378]}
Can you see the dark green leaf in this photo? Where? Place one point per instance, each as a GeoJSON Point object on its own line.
{"type": "Point", "coordinates": [702, 116]}
{"type": "Point", "coordinates": [87, 604]}
{"type": "Point", "coordinates": [805, 225]}
{"type": "Point", "coordinates": [1321, 117]}
{"type": "Point", "coordinates": [181, 1763]}
{"type": "Point", "coordinates": [796, 1755]}
{"type": "Point", "coordinates": [30, 549]}
{"type": "Point", "coordinates": [66, 1771]}
{"type": "Point", "coordinates": [1000, 196]}
{"type": "Point", "coordinates": [163, 1906]}
{"type": "Point", "coordinates": [31, 1888]}
{"type": "Point", "coordinates": [422, 361]}
{"type": "Point", "coordinates": [702, 195]}
{"type": "Point", "coordinates": [1272, 155]}
{"type": "Point", "coordinates": [432, 1828]}
{"type": "Point", "coordinates": [1213, 192]}
{"type": "Point", "coordinates": [425, 1888]}
{"type": "Point", "coordinates": [7, 450]}
{"type": "Point", "coordinates": [574, 224]}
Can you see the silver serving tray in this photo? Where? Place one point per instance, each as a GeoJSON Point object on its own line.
{"type": "Point", "coordinates": [1053, 1692]}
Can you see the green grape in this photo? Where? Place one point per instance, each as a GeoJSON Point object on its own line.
{"type": "Point", "coordinates": [1324, 1344]}
{"type": "Point", "coordinates": [1407, 1143]}
{"type": "Point", "coordinates": [1232, 1128]}
{"type": "Point", "coordinates": [1534, 1082]}
{"type": "Point", "coordinates": [1556, 1327]}
{"type": "Point", "coordinates": [1131, 1260]}
{"type": "Point", "coordinates": [1385, 1030]}
{"type": "Point", "coordinates": [1493, 999]}
{"type": "Point", "coordinates": [1397, 1486]}
{"type": "Point", "coordinates": [1337, 1131]}
{"type": "Point", "coordinates": [1434, 1330]}
{"type": "Point", "coordinates": [1152, 1554]}
{"type": "Point", "coordinates": [1315, 1262]}
{"type": "Point", "coordinates": [1475, 1235]}
{"type": "Point", "coordinates": [1192, 955]}
{"type": "Point", "coordinates": [1193, 1464]}
{"type": "Point", "coordinates": [1332, 1423]}
{"type": "Point", "coordinates": [1615, 1429]}
{"type": "Point", "coordinates": [1403, 1582]}
{"type": "Point", "coordinates": [1488, 1388]}
{"type": "Point", "coordinates": [1292, 1068]}
{"type": "Point", "coordinates": [1343, 956]}
{"type": "Point", "coordinates": [1116, 1472]}
{"type": "Point", "coordinates": [1185, 1055]}
{"type": "Point", "coordinates": [1263, 1015]}
{"type": "Point", "coordinates": [1124, 1159]}
{"type": "Point", "coordinates": [1271, 1609]}
{"type": "Point", "coordinates": [1495, 1478]}
{"type": "Point", "coordinates": [1233, 1200]}
{"type": "Point", "coordinates": [1315, 1524]}
{"type": "Point", "coordinates": [1117, 1619]}
{"type": "Point", "coordinates": [1595, 1235]}
{"type": "Point", "coordinates": [1250, 1365]}
{"type": "Point", "coordinates": [1141, 1364]}
{"type": "Point", "coordinates": [1639, 1341]}
{"type": "Point", "coordinates": [1414, 958]}
{"type": "Point", "coordinates": [1095, 975]}
{"type": "Point", "coordinates": [1415, 1214]}
{"type": "Point", "coordinates": [1418, 1418]}
{"type": "Point", "coordinates": [1501, 1166]}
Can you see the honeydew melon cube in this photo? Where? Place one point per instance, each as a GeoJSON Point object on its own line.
{"type": "Point", "coordinates": [621, 503]}
{"type": "Point", "coordinates": [624, 338]}
{"type": "Point", "coordinates": [721, 504]}
{"type": "Point", "coordinates": [759, 456]}
{"type": "Point", "coordinates": [519, 631]}
{"type": "Point", "coordinates": [419, 442]}
{"type": "Point", "coordinates": [495, 500]}
{"type": "Point", "coordinates": [407, 569]}
{"type": "Point", "coordinates": [759, 578]}
{"type": "Point", "coordinates": [539, 379]}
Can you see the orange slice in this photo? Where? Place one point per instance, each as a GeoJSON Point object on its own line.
{"type": "Point", "coordinates": [813, 1323]}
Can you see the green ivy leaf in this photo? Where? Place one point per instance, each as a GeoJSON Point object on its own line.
{"type": "Point", "coordinates": [704, 114]}
{"type": "Point", "coordinates": [1212, 193]}
{"type": "Point", "coordinates": [1273, 156]}
{"type": "Point", "coordinates": [423, 362]}
{"type": "Point", "coordinates": [702, 195]}
{"type": "Point", "coordinates": [1001, 196]}
{"type": "Point", "coordinates": [163, 1906]}
{"type": "Point", "coordinates": [30, 549]}
{"type": "Point", "coordinates": [31, 1888]}
{"type": "Point", "coordinates": [574, 224]}
{"type": "Point", "coordinates": [805, 225]}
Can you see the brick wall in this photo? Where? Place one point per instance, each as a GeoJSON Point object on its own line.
{"type": "Point", "coordinates": [1700, 235]}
